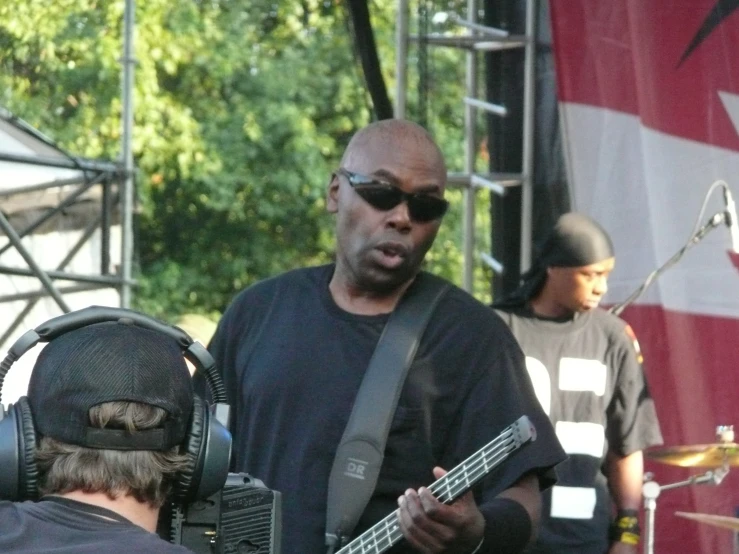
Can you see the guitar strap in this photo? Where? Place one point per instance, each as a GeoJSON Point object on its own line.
{"type": "Point", "coordinates": [362, 447]}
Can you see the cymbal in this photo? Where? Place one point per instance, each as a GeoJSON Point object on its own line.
{"type": "Point", "coordinates": [697, 455]}
{"type": "Point", "coordinates": [724, 522]}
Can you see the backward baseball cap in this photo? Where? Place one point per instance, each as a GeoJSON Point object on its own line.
{"type": "Point", "coordinates": [108, 362]}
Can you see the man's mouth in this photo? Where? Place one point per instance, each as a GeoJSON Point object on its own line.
{"type": "Point", "coordinates": [391, 254]}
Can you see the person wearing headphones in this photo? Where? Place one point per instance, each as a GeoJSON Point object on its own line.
{"type": "Point", "coordinates": [111, 405]}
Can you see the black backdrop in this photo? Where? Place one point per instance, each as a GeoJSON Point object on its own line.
{"type": "Point", "coordinates": [504, 73]}
{"type": "Point", "coordinates": [504, 77]}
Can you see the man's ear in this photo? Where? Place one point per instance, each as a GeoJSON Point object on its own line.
{"type": "Point", "coordinates": [332, 196]}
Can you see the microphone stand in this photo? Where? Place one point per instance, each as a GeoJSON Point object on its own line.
{"type": "Point", "coordinates": [717, 219]}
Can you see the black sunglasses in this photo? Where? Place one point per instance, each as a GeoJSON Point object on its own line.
{"type": "Point", "coordinates": [422, 207]}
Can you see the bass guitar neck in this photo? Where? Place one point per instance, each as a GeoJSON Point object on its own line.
{"type": "Point", "coordinates": [451, 486]}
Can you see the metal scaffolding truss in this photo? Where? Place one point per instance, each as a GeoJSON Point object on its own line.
{"type": "Point", "coordinates": [39, 184]}
{"type": "Point", "coordinates": [104, 191]}
{"type": "Point", "coordinates": [479, 38]}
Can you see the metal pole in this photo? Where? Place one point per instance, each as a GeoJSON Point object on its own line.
{"type": "Point", "coordinates": [68, 163]}
{"type": "Point", "coordinates": [107, 280]}
{"type": "Point", "coordinates": [36, 270]}
{"type": "Point", "coordinates": [32, 294]}
{"type": "Point", "coordinates": [41, 187]}
{"type": "Point", "coordinates": [127, 154]}
{"type": "Point", "coordinates": [483, 29]}
{"type": "Point", "coordinates": [401, 59]}
{"type": "Point", "coordinates": [527, 162]}
{"type": "Point", "coordinates": [497, 109]}
{"type": "Point", "coordinates": [468, 237]}
{"type": "Point", "coordinates": [68, 258]}
{"type": "Point", "coordinates": [68, 201]}
{"type": "Point", "coordinates": [650, 492]}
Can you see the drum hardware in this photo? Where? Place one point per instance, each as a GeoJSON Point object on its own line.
{"type": "Point", "coordinates": [724, 452]}
{"type": "Point", "coordinates": [720, 456]}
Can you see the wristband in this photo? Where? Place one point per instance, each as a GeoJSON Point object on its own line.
{"type": "Point", "coordinates": [508, 526]}
{"type": "Point", "coordinates": [625, 528]}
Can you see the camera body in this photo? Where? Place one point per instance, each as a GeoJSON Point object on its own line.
{"type": "Point", "coordinates": [243, 517]}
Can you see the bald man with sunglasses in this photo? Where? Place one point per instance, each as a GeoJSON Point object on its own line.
{"type": "Point", "coordinates": [293, 350]}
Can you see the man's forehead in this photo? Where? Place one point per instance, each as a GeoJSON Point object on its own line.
{"type": "Point", "coordinates": [383, 159]}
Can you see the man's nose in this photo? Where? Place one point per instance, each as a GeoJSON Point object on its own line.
{"type": "Point", "coordinates": [399, 217]}
{"type": "Point", "coordinates": [601, 286]}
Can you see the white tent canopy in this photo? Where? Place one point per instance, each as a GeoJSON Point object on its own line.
{"type": "Point", "coordinates": [59, 237]}
{"type": "Point", "coordinates": [15, 140]}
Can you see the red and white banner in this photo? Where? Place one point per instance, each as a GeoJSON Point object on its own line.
{"type": "Point", "coordinates": [649, 100]}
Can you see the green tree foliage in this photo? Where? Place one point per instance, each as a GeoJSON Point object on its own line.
{"type": "Point", "coordinates": [242, 109]}
{"type": "Point", "coordinates": [275, 94]}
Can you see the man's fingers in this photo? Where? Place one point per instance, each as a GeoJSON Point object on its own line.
{"type": "Point", "coordinates": [411, 519]}
{"type": "Point", "coordinates": [431, 506]}
{"type": "Point", "coordinates": [439, 472]}
{"type": "Point", "coordinates": [433, 527]}
{"type": "Point", "coordinates": [446, 514]}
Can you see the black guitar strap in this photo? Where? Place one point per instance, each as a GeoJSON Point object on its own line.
{"type": "Point", "coordinates": [362, 447]}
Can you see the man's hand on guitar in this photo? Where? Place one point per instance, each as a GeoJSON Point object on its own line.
{"type": "Point", "coordinates": [434, 528]}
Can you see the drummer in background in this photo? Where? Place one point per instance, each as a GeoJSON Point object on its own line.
{"type": "Point", "coordinates": [586, 368]}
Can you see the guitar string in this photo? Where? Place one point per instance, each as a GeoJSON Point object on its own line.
{"type": "Point", "coordinates": [389, 525]}
{"type": "Point", "coordinates": [480, 468]}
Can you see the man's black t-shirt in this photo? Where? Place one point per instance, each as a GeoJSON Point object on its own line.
{"type": "Point", "coordinates": [292, 362]}
{"type": "Point", "coordinates": [65, 526]}
{"type": "Point", "coordinates": [587, 373]}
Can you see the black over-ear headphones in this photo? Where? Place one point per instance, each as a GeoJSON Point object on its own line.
{"type": "Point", "coordinates": [208, 442]}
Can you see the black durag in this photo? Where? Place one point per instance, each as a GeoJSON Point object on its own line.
{"type": "Point", "coordinates": [575, 240]}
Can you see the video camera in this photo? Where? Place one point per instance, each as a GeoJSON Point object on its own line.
{"type": "Point", "coordinates": [243, 517]}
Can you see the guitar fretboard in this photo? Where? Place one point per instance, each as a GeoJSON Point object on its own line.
{"type": "Point", "coordinates": [451, 486]}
